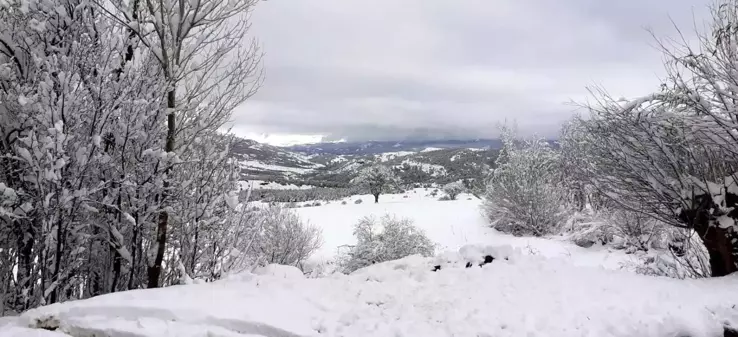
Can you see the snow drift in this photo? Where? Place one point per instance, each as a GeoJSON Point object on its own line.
{"type": "Point", "coordinates": [514, 295]}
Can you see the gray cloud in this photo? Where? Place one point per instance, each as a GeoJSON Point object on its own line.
{"type": "Point", "coordinates": [389, 69]}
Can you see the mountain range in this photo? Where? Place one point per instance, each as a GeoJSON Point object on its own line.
{"type": "Point", "coordinates": [335, 164]}
{"type": "Point", "coordinates": [377, 147]}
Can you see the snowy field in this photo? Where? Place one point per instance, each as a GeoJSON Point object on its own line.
{"type": "Point", "coordinates": [451, 224]}
{"type": "Point", "coordinates": [535, 287]}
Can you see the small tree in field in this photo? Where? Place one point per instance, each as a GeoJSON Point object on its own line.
{"type": "Point", "coordinates": [453, 189]}
{"type": "Point", "coordinates": [377, 179]}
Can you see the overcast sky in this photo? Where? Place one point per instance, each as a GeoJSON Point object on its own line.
{"type": "Point", "coordinates": [399, 69]}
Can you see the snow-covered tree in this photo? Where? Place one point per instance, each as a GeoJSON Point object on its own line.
{"type": "Point", "coordinates": [386, 239]}
{"type": "Point", "coordinates": [85, 174]}
{"type": "Point", "coordinates": [572, 166]}
{"type": "Point", "coordinates": [377, 179]}
{"type": "Point", "coordinates": [208, 66]}
{"type": "Point", "coordinates": [523, 196]}
{"type": "Point", "coordinates": [672, 154]}
{"type": "Point", "coordinates": [453, 189]}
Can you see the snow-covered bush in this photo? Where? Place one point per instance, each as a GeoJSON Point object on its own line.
{"type": "Point", "coordinates": [671, 153]}
{"type": "Point", "coordinates": [358, 201]}
{"type": "Point", "coordinates": [377, 179]}
{"type": "Point", "coordinates": [284, 238]}
{"type": "Point", "coordinates": [689, 260]}
{"type": "Point", "coordinates": [586, 229]}
{"type": "Point", "coordinates": [638, 231]}
{"type": "Point", "coordinates": [384, 239]}
{"type": "Point", "coordinates": [453, 189]}
{"type": "Point", "coordinates": [522, 196]}
{"type": "Point", "coordinates": [620, 229]}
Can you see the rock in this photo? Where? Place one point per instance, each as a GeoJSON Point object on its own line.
{"type": "Point", "coordinates": [584, 243]}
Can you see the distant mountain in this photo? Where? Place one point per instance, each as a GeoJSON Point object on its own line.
{"type": "Point", "coordinates": [377, 147]}
{"type": "Point", "coordinates": [335, 164]}
{"type": "Point", "coordinates": [263, 161]}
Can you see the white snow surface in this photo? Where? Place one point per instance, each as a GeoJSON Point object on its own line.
{"type": "Point", "coordinates": [450, 224]}
{"type": "Point", "coordinates": [534, 287]}
{"type": "Point", "coordinates": [521, 296]}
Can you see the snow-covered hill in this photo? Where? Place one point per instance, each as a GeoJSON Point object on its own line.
{"type": "Point", "coordinates": [257, 159]}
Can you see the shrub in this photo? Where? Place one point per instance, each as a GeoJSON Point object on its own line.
{"type": "Point", "coordinates": [343, 202]}
{"type": "Point", "coordinates": [452, 190]}
{"type": "Point", "coordinates": [445, 198]}
{"type": "Point", "coordinates": [388, 238]}
{"type": "Point", "coordinates": [284, 238]}
{"type": "Point", "coordinates": [358, 201]}
{"type": "Point", "coordinates": [691, 260]}
{"type": "Point", "coordinates": [639, 232]}
{"type": "Point", "coordinates": [522, 197]}
{"type": "Point", "coordinates": [588, 229]}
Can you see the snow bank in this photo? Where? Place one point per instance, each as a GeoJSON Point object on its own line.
{"type": "Point", "coordinates": [518, 296]}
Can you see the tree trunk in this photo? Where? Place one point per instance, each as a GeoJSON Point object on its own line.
{"type": "Point", "coordinates": [26, 239]}
{"type": "Point", "coordinates": [722, 245]}
{"type": "Point", "coordinates": [154, 272]}
{"type": "Point", "coordinates": [376, 198]}
{"type": "Point", "coordinates": [134, 251]}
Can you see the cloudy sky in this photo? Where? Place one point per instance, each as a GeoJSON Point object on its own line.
{"type": "Point", "coordinates": [400, 69]}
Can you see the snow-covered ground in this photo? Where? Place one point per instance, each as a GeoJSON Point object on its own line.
{"type": "Point", "coordinates": [520, 296]}
{"type": "Point", "coordinates": [451, 224]}
{"type": "Point", "coordinates": [534, 287]}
